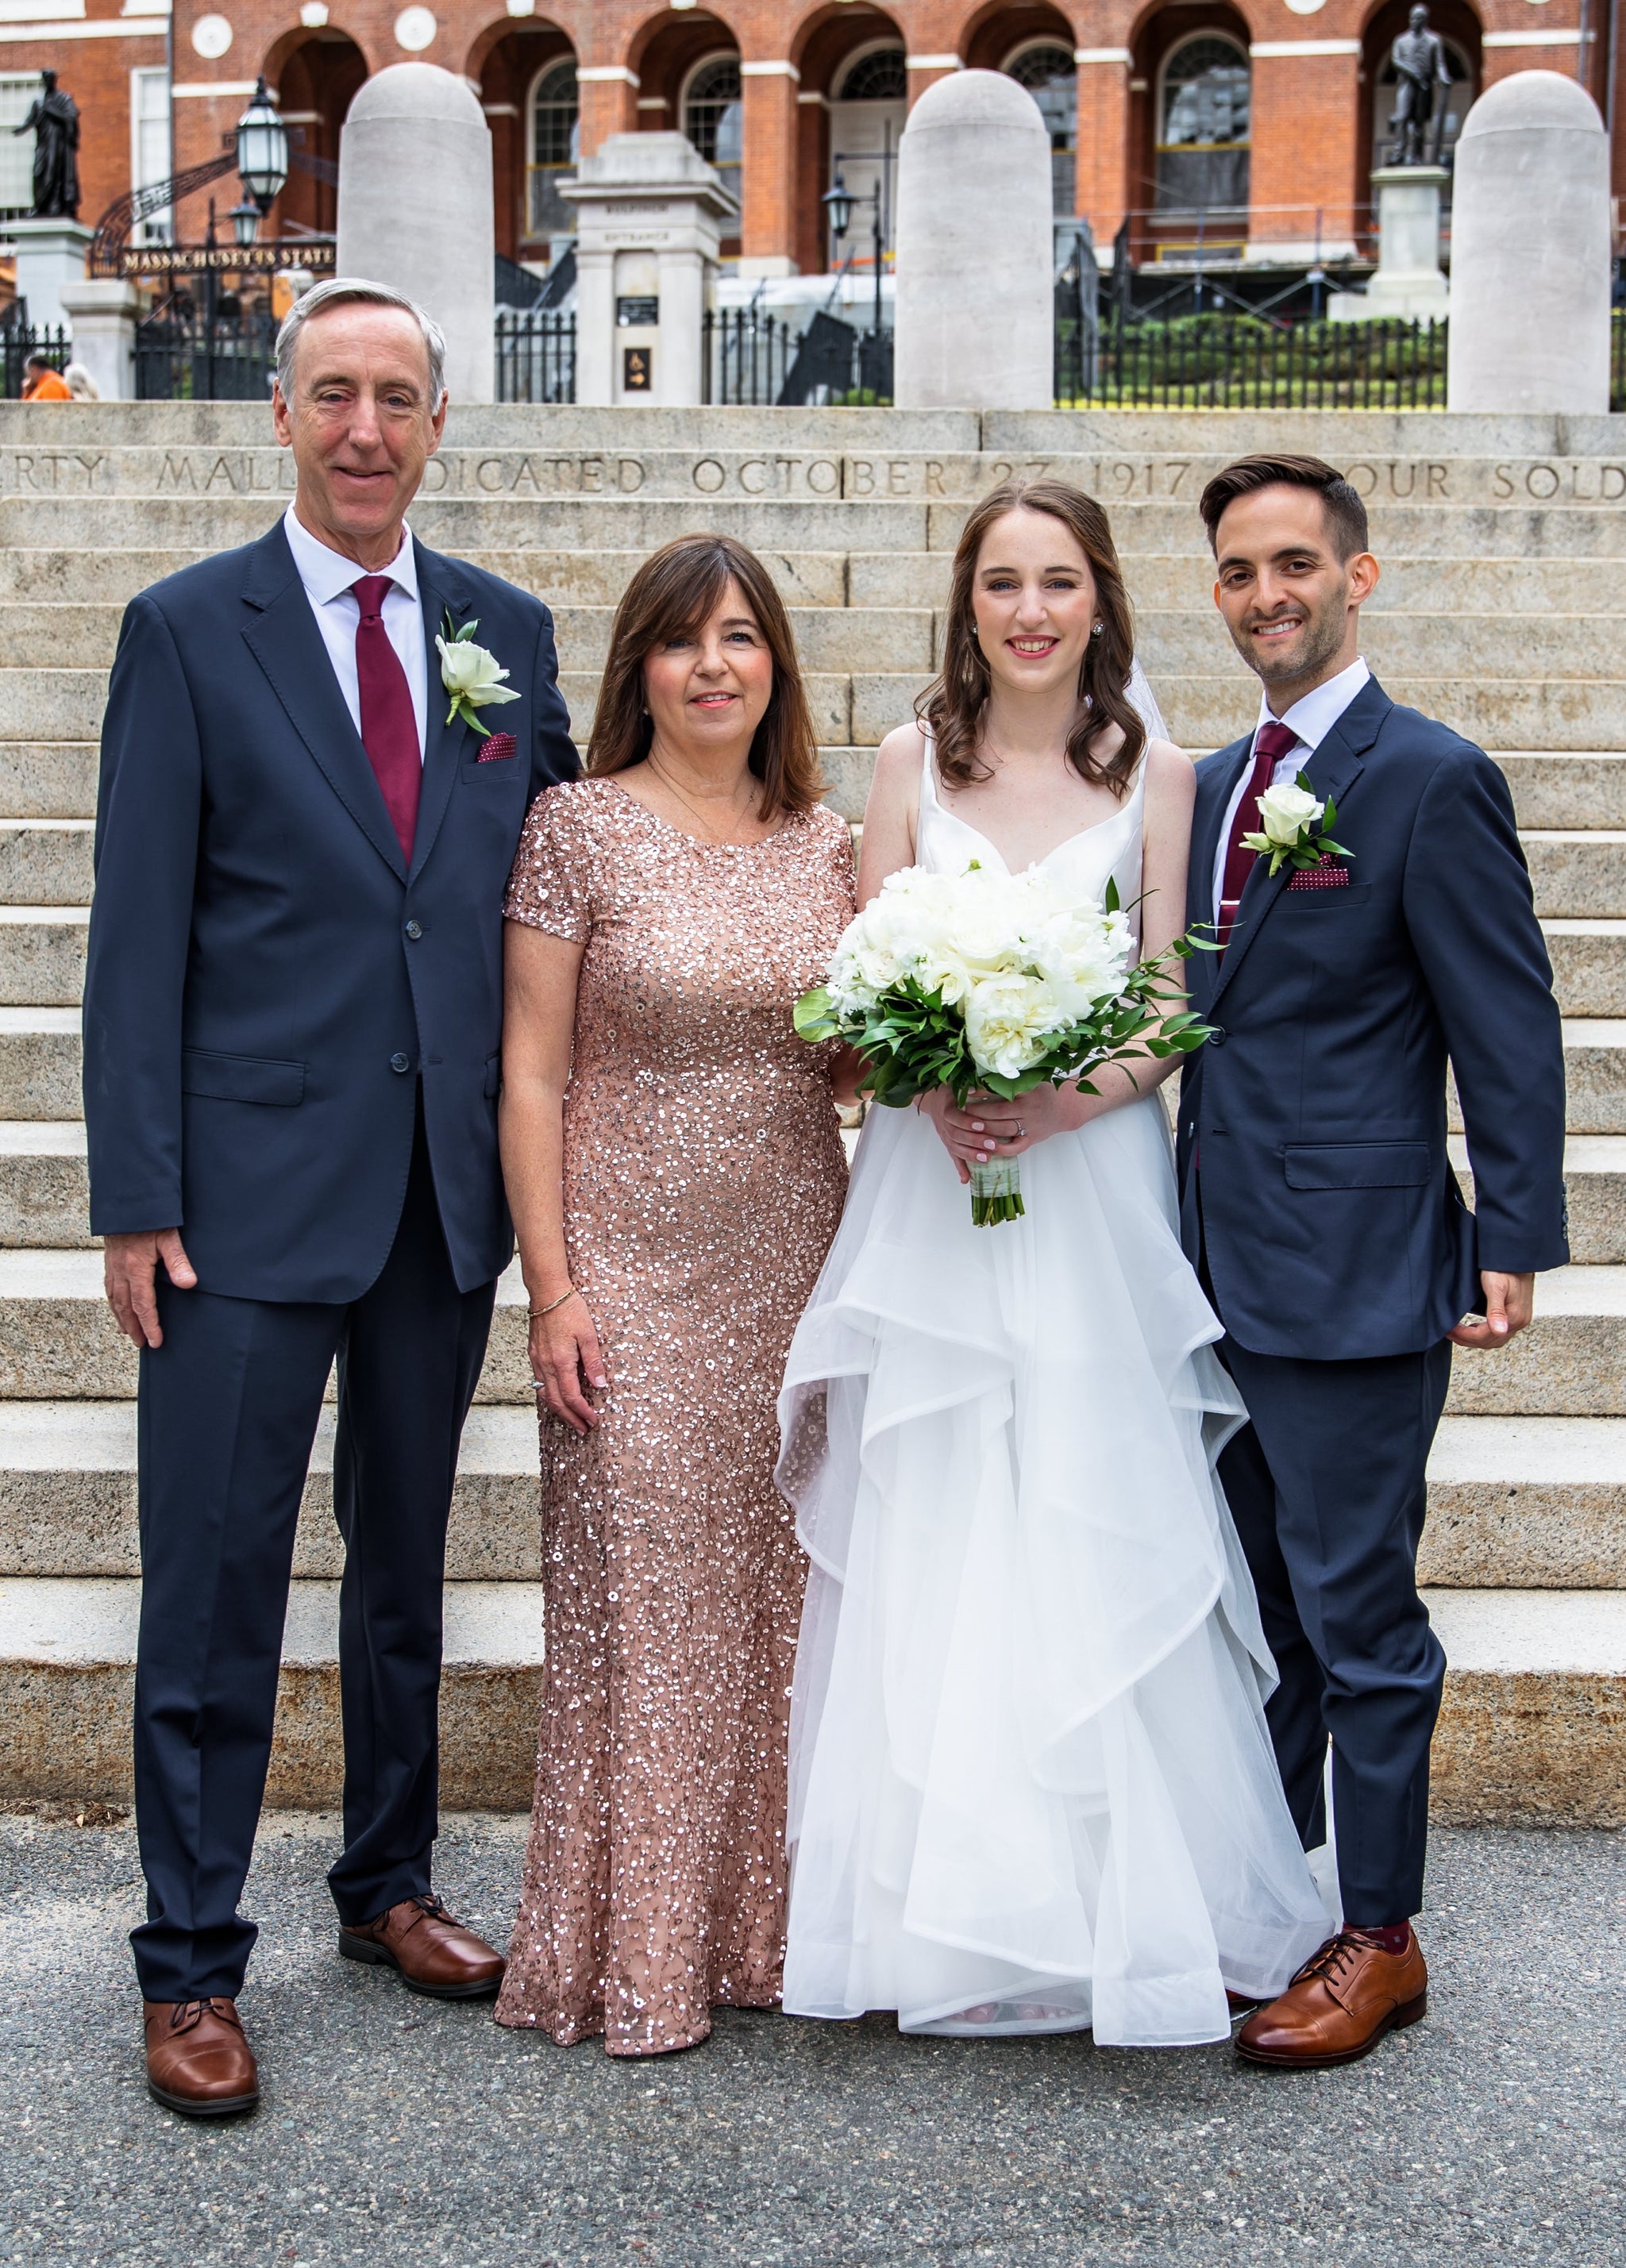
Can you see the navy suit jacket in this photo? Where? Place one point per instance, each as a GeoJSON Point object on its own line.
{"type": "Point", "coordinates": [1315, 1117]}
{"type": "Point", "coordinates": [268, 982]}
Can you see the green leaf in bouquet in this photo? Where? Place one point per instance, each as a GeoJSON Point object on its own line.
{"type": "Point", "coordinates": [813, 1017]}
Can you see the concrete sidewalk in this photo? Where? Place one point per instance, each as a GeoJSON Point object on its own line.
{"type": "Point", "coordinates": [405, 2133]}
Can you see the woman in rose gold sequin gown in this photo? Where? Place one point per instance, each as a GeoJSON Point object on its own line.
{"type": "Point", "coordinates": [698, 1158]}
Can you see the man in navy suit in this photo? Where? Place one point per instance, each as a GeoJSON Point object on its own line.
{"type": "Point", "coordinates": [1318, 1200]}
{"type": "Point", "coordinates": [292, 1018]}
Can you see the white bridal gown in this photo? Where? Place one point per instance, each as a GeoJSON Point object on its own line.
{"type": "Point", "coordinates": [1030, 1785]}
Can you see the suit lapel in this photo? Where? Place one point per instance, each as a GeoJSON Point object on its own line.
{"type": "Point", "coordinates": [1216, 784]}
{"type": "Point", "coordinates": [441, 591]}
{"type": "Point", "coordinates": [1331, 771]}
{"type": "Point", "coordinates": [287, 645]}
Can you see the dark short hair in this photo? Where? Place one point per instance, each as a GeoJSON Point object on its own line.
{"type": "Point", "coordinates": [1344, 506]}
{"type": "Point", "coordinates": [37, 362]}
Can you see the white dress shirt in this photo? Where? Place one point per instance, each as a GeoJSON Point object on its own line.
{"type": "Point", "coordinates": [329, 577]}
{"type": "Point", "coordinates": [1311, 719]}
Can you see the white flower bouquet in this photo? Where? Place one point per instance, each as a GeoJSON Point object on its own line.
{"type": "Point", "coordinates": [994, 984]}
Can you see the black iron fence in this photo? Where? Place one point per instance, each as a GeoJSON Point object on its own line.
{"type": "Point", "coordinates": [181, 356]}
{"type": "Point", "coordinates": [1238, 361]}
{"type": "Point", "coordinates": [20, 340]}
{"type": "Point", "coordinates": [535, 355]}
{"type": "Point", "coordinates": [1617, 358]}
{"type": "Point", "coordinates": [747, 357]}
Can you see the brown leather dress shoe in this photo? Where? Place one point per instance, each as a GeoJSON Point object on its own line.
{"type": "Point", "coordinates": [1339, 2005]}
{"type": "Point", "coordinates": [431, 1952]}
{"type": "Point", "coordinates": [198, 2061]}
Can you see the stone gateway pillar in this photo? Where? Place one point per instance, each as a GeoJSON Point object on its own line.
{"type": "Point", "coordinates": [1530, 251]}
{"type": "Point", "coordinates": [975, 315]}
{"type": "Point", "coordinates": [414, 209]}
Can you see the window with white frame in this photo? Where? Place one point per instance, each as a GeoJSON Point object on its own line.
{"type": "Point", "coordinates": [712, 116]}
{"type": "Point", "coordinates": [555, 133]}
{"type": "Point", "coordinates": [1203, 128]}
{"type": "Point", "coordinates": [18, 92]}
{"type": "Point", "coordinates": [150, 157]}
{"type": "Point", "coordinates": [1051, 77]}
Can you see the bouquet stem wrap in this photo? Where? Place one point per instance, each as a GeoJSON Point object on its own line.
{"type": "Point", "coordinates": [993, 984]}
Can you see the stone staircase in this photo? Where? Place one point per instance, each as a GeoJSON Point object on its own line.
{"type": "Point", "coordinates": [1502, 609]}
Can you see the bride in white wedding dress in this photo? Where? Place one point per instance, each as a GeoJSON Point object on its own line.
{"type": "Point", "coordinates": [1030, 1785]}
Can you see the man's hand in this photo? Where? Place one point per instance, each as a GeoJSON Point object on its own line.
{"type": "Point", "coordinates": [1509, 1301]}
{"type": "Point", "coordinates": [130, 1266]}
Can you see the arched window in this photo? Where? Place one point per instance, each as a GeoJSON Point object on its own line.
{"type": "Point", "coordinates": [880, 76]}
{"type": "Point", "coordinates": [555, 143]}
{"type": "Point", "coordinates": [1051, 77]}
{"type": "Point", "coordinates": [1202, 136]}
{"type": "Point", "coordinates": [712, 117]}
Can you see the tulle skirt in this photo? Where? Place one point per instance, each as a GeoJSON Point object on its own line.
{"type": "Point", "coordinates": [1032, 1787]}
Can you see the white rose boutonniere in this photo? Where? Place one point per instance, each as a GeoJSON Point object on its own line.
{"type": "Point", "coordinates": [1298, 827]}
{"type": "Point", "coordinates": [471, 675]}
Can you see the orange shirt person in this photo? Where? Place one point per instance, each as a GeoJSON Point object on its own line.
{"type": "Point", "coordinates": [41, 383]}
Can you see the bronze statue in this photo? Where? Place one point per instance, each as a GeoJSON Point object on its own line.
{"type": "Point", "coordinates": [53, 120]}
{"type": "Point", "coordinates": [1419, 58]}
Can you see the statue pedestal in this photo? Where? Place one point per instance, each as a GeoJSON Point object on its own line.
{"type": "Point", "coordinates": [649, 215]}
{"type": "Point", "coordinates": [101, 314]}
{"type": "Point", "coordinates": [49, 253]}
{"type": "Point", "coordinates": [1408, 283]}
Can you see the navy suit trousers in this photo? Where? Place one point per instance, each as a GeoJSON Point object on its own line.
{"type": "Point", "coordinates": [228, 1407]}
{"type": "Point", "coordinates": [1327, 1489]}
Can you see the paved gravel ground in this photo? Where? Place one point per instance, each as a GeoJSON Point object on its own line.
{"type": "Point", "coordinates": [395, 2129]}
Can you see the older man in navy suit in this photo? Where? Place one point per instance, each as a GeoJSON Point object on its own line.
{"type": "Point", "coordinates": [1389, 929]}
{"type": "Point", "coordinates": [292, 1021]}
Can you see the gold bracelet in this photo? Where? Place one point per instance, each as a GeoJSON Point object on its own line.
{"type": "Point", "coordinates": [534, 1314]}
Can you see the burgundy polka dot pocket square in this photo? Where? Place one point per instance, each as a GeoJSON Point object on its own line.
{"type": "Point", "coordinates": [1327, 874]}
{"type": "Point", "coordinates": [499, 745]}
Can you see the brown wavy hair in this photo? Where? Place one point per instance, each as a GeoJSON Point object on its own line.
{"type": "Point", "coordinates": [954, 703]}
{"type": "Point", "coordinates": [671, 595]}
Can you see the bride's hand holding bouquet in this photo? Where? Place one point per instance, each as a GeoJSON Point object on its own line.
{"type": "Point", "coordinates": [996, 984]}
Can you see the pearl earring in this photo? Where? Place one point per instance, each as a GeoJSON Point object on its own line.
{"type": "Point", "coordinates": [1098, 630]}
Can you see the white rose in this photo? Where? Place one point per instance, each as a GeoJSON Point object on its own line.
{"type": "Point", "coordinates": [470, 674]}
{"type": "Point", "coordinates": [1286, 811]}
{"type": "Point", "coordinates": [1009, 1019]}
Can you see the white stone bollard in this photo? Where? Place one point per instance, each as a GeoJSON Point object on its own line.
{"type": "Point", "coordinates": [414, 209]}
{"type": "Point", "coordinates": [976, 305]}
{"type": "Point", "coordinates": [102, 315]}
{"type": "Point", "coordinates": [1530, 251]}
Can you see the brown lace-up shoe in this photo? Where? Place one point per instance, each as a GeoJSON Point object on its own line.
{"type": "Point", "coordinates": [431, 1952]}
{"type": "Point", "coordinates": [198, 2061]}
{"type": "Point", "coordinates": [1339, 2005]}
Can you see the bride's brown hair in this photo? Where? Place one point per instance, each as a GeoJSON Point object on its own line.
{"type": "Point", "coordinates": [954, 703]}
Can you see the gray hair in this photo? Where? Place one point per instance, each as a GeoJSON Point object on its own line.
{"type": "Point", "coordinates": [335, 292]}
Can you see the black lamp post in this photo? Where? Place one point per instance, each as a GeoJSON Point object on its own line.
{"type": "Point", "coordinates": [245, 220]}
{"type": "Point", "coordinates": [838, 202]}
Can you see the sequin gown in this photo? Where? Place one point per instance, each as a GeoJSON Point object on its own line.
{"type": "Point", "coordinates": [703, 1182]}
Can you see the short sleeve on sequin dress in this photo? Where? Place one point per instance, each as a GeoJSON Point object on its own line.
{"type": "Point", "coordinates": [550, 885]}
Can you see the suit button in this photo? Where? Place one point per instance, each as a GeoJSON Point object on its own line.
{"type": "Point", "coordinates": [415, 930]}
{"type": "Point", "coordinates": [399, 1062]}
{"type": "Point", "coordinates": [1217, 1037]}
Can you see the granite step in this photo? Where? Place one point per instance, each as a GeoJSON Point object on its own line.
{"type": "Point", "coordinates": [79, 636]}
{"type": "Point", "coordinates": [49, 779]}
{"type": "Point", "coordinates": [1513, 1502]}
{"type": "Point", "coordinates": [1529, 1733]}
{"type": "Point", "coordinates": [40, 1061]}
{"type": "Point", "coordinates": [45, 862]}
{"type": "Point", "coordinates": [66, 1677]}
{"type": "Point", "coordinates": [58, 1343]}
{"type": "Point", "coordinates": [67, 1495]}
{"type": "Point", "coordinates": [1522, 1503]}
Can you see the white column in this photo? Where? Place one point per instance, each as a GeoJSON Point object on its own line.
{"type": "Point", "coordinates": [975, 311]}
{"type": "Point", "coordinates": [595, 328]}
{"type": "Point", "coordinates": [101, 314]}
{"type": "Point", "coordinates": [415, 210]}
{"type": "Point", "coordinates": [682, 303]}
{"type": "Point", "coordinates": [1530, 251]}
{"type": "Point", "coordinates": [50, 254]}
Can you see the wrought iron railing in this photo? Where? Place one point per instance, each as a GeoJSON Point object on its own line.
{"type": "Point", "coordinates": [747, 357]}
{"type": "Point", "coordinates": [184, 357]}
{"type": "Point", "coordinates": [1617, 358]}
{"type": "Point", "coordinates": [535, 355]}
{"type": "Point", "coordinates": [17, 342]}
{"type": "Point", "coordinates": [1239, 362]}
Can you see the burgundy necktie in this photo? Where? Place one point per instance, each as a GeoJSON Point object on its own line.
{"type": "Point", "coordinates": [1271, 743]}
{"type": "Point", "coordinates": [389, 730]}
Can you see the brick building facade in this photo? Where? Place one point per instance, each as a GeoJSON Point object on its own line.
{"type": "Point", "coordinates": [1248, 126]}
